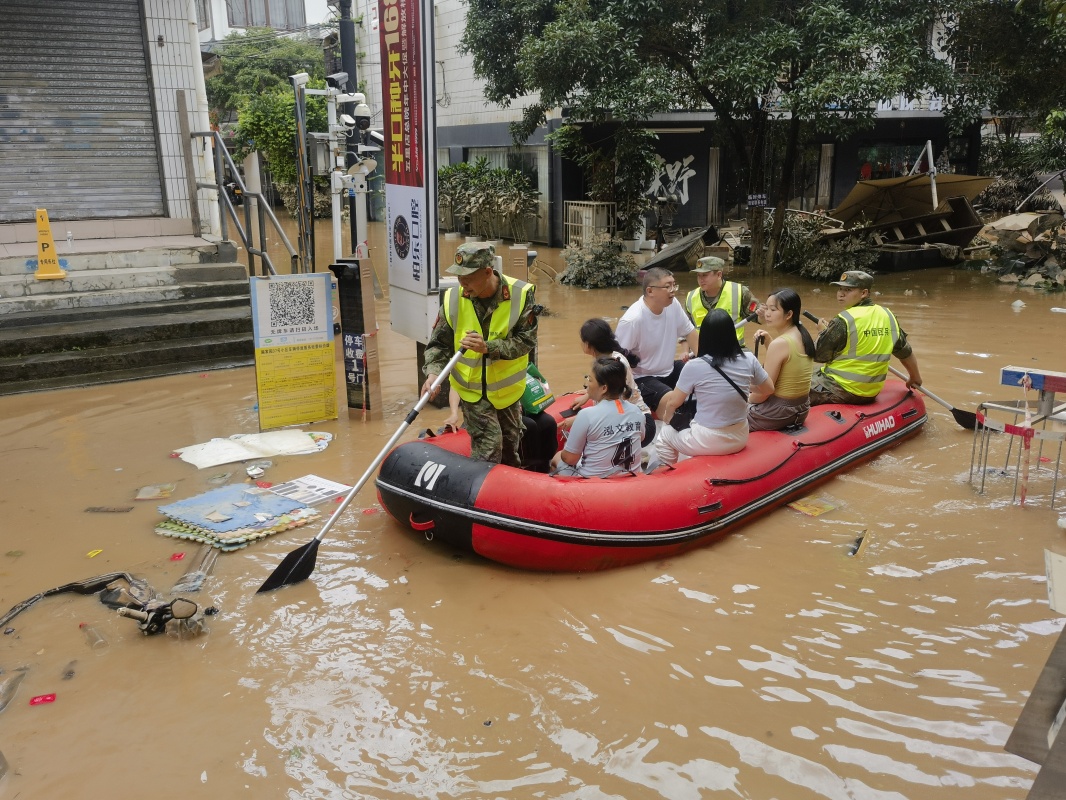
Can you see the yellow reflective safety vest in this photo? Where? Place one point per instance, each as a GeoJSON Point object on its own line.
{"type": "Point", "coordinates": [728, 301]}
{"type": "Point", "coordinates": [474, 376]}
{"type": "Point", "coordinates": [872, 335]}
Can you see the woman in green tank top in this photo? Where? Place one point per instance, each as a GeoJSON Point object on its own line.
{"type": "Point", "coordinates": [789, 364]}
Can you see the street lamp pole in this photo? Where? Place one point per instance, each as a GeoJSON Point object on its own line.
{"type": "Point", "coordinates": [347, 35]}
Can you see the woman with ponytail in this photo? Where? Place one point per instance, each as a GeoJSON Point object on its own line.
{"type": "Point", "coordinates": [598, 341]}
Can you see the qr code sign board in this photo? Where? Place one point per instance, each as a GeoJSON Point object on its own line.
{"type": "Point", "coordinates": [292, 306]}
{"type": "Point", "coordinates": [292, 309]}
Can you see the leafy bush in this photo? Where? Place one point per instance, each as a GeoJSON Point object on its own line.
{"type": "Point", "coordinates": [803, 249]}
{"type": "Point", "coordinates": [598, 262]}
{"type": "Point", "coordinates": [494, 202]}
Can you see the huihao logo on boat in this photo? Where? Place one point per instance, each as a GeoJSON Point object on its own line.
{"type": "Point", "coordinates": [879, 427]}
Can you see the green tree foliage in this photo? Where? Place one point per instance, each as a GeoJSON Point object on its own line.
{"type": "Point", "coordinates": [819, 64]}
{"type": "Point", "coordinates": [267, 123]}
{"type": "Point", "coordinates": [618, 168]}
{"type": "Point", "coordinates": [259, 62]}
{"type": "Point", "coordinates": [1010, 59]}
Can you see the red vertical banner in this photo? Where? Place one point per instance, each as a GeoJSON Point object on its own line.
{"type": "Point", "coordinates": [409, 149]}
{"type": "Point", "coordinates": [401, 67]}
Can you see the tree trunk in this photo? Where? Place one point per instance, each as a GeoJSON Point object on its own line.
{"type": "Point", "coordinates": [788, 167]}
{"type": "Point", "coordinates": [757, 185]}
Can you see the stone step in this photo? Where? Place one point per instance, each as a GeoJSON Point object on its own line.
{"type": "Point", "coordinates": [88, 281]}
{"type": "Point", "coordinates": [79, 259]}
{"type": "Point", "coordinates": [116, 297]}
{"type": "Point", "coordinates": [82, 367]}
{"type": "Point", "coordinates": [117, 376]}
{"type": "Point", "coordinates": [172, 323]}
{"type": "Point", "coordinates": [43, 318]}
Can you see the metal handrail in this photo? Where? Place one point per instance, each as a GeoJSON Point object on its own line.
{"type": "Point", "coordinates": [264, 210]}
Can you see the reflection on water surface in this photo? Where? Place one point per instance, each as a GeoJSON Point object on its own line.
{"type": "Point", "coordinates": [771, 664]}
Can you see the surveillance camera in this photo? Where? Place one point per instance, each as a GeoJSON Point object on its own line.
{"type": "Point", "coordinates": [347, 121]}
{"type": "Point", "coordinates": [362, 116]}
{"type": "Point", "coordinates": [300, 79]}
{"type": "Point", "coordinates": [338, 80]}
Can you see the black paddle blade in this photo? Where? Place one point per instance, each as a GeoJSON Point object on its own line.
{"type": "Point", "coordinates": [297, 566]}
{"type": "Point", "coordinates": [966, 419]}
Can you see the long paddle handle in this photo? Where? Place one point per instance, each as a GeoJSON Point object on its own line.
{"type": "Point", "coordinates": [391, 443]}
{"type": "Point", "coordinates": [922, 389]}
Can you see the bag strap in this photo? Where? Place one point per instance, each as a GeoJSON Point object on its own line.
{"type": "Point", "coordinates": [740, 391]}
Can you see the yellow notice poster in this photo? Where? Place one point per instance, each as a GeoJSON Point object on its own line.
{"type": "Point", "coordinates": [295, 367]}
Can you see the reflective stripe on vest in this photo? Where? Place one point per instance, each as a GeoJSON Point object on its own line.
{"type": "Point", "coordinates": [872, 335]}
{"type": "Point", "coordinates": [728, 301]}
{"type": "Point", "coordinates": [501, 381]}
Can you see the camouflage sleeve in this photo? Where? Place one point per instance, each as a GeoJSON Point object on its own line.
{"type": "Point", "coordinates": [441, 346]}
{"type": "Point", "coordinates": [903, 347]}
{"type": "Point", "coordinates": [523, 337]}
{"type": "Point", "coordinates": [832, 341]}
{"type": "Point", "coordinates": [746, 300]}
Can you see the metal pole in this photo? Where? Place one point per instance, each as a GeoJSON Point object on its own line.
{"type": "Point", "coordinates": [347, 35]}
{"type": "Point", "coordinates": [304, 188]}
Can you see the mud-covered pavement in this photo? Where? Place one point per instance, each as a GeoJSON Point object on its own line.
{"type": "Point", "coordinates": [770, 664]}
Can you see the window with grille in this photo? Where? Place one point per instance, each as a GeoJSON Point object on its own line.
{"type": "Point", "coordinates": [281, 15]}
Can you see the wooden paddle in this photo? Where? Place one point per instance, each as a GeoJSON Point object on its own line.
{"type": "Point", "coordinates": [966, 419]}
{"type": "Point", "coordinates": [300, 563]}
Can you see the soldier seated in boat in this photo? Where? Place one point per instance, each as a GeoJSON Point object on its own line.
{"type": "Point", "coordinates": [856, 346]}
{"type": "Point", "coordinates": [714, 291]}
{"type": "Point", "coordinates": [605, 437]}
{"type": "Point", "coordinates": [650, 328]}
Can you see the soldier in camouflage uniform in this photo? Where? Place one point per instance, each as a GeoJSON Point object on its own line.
{"type": "Point", "coordinates": [491, 318]}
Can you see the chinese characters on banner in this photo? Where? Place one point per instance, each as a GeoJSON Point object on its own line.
{"type": "Point", "coordinates": [408, 151]}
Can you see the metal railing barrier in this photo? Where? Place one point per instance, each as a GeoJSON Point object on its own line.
{"type": "Point", "coordinates": [265, 212]}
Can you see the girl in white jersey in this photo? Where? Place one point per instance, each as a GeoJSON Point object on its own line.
{"type": "Point", "coordinates": [605, 437]}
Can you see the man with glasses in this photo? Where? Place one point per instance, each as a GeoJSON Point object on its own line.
{"type": "Point", "coordinates": [651, 328]}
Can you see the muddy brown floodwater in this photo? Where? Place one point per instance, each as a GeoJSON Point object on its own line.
{"type": "Point", "coordinates": [771, 664]}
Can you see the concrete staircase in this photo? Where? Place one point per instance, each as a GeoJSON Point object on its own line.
{"type": "Point", "coordinates": [127, 309]}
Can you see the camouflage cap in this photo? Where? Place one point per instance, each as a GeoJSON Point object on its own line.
{"type": "Point", "coordinates": [472, 256]}
{"type": "Point", "coordinates": [855, 279]}
{"type": "Point", "coordinates": [709, 264]}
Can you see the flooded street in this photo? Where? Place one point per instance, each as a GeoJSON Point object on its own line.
{"type": "Point", "coordinates": [771, 664]}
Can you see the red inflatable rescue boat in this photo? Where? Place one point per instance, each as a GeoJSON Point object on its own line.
{"type": "Point", "coordinates": [533, 521]}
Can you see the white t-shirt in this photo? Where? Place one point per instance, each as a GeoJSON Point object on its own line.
{"type": "Point", "coordinates": [718, 404]}
{"type": "Point", "coordinates": [605, 435]}
{"type": "Point", "coordinates": [653, 336]}
{"type": "Point", "coordinates": [634, 391]}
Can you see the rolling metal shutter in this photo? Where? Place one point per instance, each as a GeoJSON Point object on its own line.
{"type": "Point", "coordinates": [77, 134]}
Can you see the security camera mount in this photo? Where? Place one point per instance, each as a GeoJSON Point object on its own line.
{"type": "Point", "coordinates": [353, 181]}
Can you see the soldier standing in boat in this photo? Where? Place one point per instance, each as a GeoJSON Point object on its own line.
{"type": "Point", "coordinates": [714, 291]}
{"type": "Point", "coordinates": [490, 318]}
{"type": "Point", "coordinates": [856, 346]}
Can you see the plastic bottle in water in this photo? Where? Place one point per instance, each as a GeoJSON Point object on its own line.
{"type": "Point", "coordinates": [93, 637]}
